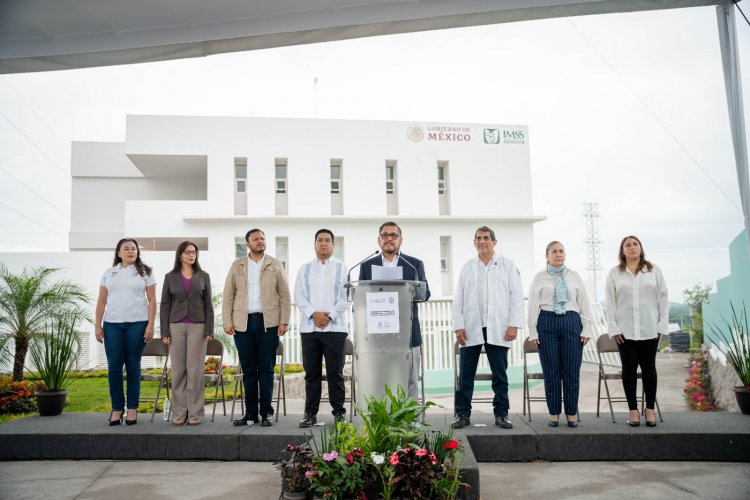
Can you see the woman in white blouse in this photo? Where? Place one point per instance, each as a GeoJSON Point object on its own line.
{"type": "Point", "coordinates": [637, 313]}
{"type": "Point", "coordinates": [125, 314]}
{"type": "Point", "coordinates": [559, 324]}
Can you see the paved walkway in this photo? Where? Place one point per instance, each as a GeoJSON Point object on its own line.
{"type": "Point", "coordinates": [157, 480]}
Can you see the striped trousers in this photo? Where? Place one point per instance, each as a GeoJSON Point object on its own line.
{"type": "Point", "coordinates": [561, 353]}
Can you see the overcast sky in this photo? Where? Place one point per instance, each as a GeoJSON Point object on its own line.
{"type": "Point", "coordinates": [624, 110]}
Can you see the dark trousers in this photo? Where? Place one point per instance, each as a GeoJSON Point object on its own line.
{"type": "Point", "coordinates": [256, 349]}
{"type": "Point", "coordinates": [315, 347]}
{"type": "Point", "coordinates": [634, 353]}
{"type": "Point", "coordinates": [124, 344]}
{"type": "Point", "coordinates": [561, 353]}
{"type": "Point", "coordinates": [468, 361]}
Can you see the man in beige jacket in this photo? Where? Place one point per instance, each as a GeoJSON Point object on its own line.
{"type": "Point", "coordinates": [256, 310]}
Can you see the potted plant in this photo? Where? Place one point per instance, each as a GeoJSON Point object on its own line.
{"type": "Point", "coordinates": [294, 470]}
{"type": "Point", "coordinates": [733, 340]}
{"type": "Point", "coordinates": [54, 353]}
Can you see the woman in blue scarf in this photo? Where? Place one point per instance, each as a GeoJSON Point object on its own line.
{"type": "Point", "coordinates": [560, 322]}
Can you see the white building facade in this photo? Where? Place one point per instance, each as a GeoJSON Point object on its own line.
{"type": "Point", "coordinates": [211, 179]}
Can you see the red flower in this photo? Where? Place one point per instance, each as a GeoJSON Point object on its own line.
{"type": "Point", "coordinates": [349, 458]}
{"type": "Point", "coordinates": [359, 452]}
{"type": "Point", "coordinates": [420, 452]}
{"type": "Point", "coordinates": [433, 458]}
{"type": "Point", "coordinates": [394, 458]}
{"type": "Point", "coordinates": [451, 445]}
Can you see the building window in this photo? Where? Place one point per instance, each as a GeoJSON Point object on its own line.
{"type": "Point", "coordinates": [443, 255]}
{"type": "Point", "coordinates": [240, 174]}
{"type": "Point", "coordinates": [282, 250]}
{"type": "Point", "coordinates": [335, 176]}
{"type": "Point", "coordinates": [281, 175]}
{"type": "Point", "coordinates": [338, 248]}
{"type": "Point", "coordinates": [390, 177]}
{"type": "Point", "coordinates": [240, 247]}
{"type": "Point", "coordinates": [441, 178]}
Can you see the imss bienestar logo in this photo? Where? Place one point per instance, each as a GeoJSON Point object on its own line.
{"type": "Point", "coordinates": [491, 136]}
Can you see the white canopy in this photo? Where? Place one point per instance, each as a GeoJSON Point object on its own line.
{"type": "Point", "coordinates": [44, 35]}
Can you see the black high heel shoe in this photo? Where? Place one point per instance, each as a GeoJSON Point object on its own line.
{"type": "Point", "coordinates": [132, 422]}
{"type": "Point", "coordinates": [112, 423]}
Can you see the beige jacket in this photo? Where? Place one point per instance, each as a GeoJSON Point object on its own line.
{"type": "Point", "coordinates": [274, 295]}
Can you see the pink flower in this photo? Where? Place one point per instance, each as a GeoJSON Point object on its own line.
{"type": "Point", "coordinates": [420, 452]}
{"type": "Point", "coordinates": [309, 474]}
{"type": "Point", "coordinates": [433, 458]}
{"type": "Point", "coordinates": [330, 456]}
{"type": "Point", "coordinates": [349, 458]}
{"type": "Point", "coordinates": [394, 459]}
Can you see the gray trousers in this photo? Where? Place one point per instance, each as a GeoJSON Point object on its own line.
{"type": "Point", "coordinates": [187, 349]}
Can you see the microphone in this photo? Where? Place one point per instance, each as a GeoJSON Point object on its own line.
{"type": "Point", "coordinates": [349, 274]}
{"type": "Point", "coordinates": [416, 273]}
{"type": "Point", "coordinates": [419, 296]}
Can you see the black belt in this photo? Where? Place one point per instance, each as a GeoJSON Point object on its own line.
{"type": "Point", "coordinates": [255, 315]}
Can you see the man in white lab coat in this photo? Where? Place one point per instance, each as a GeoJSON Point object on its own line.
{"type": "Point", "coordinates": [487, 311]}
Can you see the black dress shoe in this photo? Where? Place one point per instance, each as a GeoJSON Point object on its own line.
{"type": "Point", "coordinates": [266, 421]}
{"type": "Point", "coordinates": [460, 422]}
{"type": "Point", "coordinates": [246, 420]}
{"type": "Point", "coordinates": [112, 423]}
{"type": "Point", "coordinates": [572, 423]}
{"type": "Point", "coordinates": [308, 421]}
{"type": "Point", "coordinates": [553, 423]}
{"type": "Point", "coordinates": [503, 422]}
{"type": "Point", "coordinates": [339, 418]}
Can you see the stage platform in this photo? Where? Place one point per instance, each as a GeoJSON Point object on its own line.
{"type": "Point", "coordinates": [85, 436]}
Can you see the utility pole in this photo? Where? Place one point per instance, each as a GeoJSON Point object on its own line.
{"type": "Point", "coordinates": [592, 245]}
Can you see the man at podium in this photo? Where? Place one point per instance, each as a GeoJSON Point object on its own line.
{"type": "Point", "coordinates": [392, 264]}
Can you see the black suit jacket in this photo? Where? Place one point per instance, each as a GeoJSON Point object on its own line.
{"type": "Point", "coordinates": [365, 273]}
{"type": "Point", "coordinates": [196, 305]}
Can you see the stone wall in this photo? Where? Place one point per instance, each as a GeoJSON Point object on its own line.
{"type": "Point", "coordinates": [723, 381]}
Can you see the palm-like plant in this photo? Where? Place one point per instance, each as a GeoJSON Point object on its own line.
{"type": "Point", "coordinates": [733, 340]}
{"type": "Point", "coordinates": [27, 301]}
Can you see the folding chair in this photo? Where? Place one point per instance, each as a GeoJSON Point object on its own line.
{"type": "Point", "coordinates": [530, 347]}
{"type": "Point", "coordinates": [477, 376]}
{"type": "Point", "coordinates": [348, 353]}
{"type": "Point", "coordinates": [216, 348]}
{"type": "Point", "coordinates": [605, 344]}
{"type": "Point", "coordinates": [279, 378]}
{"type": "Point", "coordinates": [156, 348]}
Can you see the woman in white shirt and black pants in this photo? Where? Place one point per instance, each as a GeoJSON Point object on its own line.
{"type": "Point", "coordinates": [560, 325]}
{"type": "Point", "coordinates": [637, 313]}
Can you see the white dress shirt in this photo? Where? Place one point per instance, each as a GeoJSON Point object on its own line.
{"type": "Point", "coordinates": [504, 301]}
{"type": "Point", "coordinates": [254, 304]}
{"type": "Point", "coordinates": [320, 287]}
{"type": "Point", "coordinates": [542, 297]}
{"type": "Point", "coordinates": [482, 290]}
{"type": "Point", "coordinates": [637, 306]}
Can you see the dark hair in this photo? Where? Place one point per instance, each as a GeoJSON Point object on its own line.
{"type": "Point", "coordinates": [180, 250]}
{"type": "Point", "coordinates": [485, 229]}
{"type": "Point", "coordinates": [390, 223]}
{"type": "Point", "coordinates": [555, 242]}
{"type": "Point", "coordinates": [333, 238]}
{"type": "Point", "coordinates": [642, 262]}
{"type": "Point", "coordinates": [142, 268]}
{"type": "Point", "coordinates": [255, 230]}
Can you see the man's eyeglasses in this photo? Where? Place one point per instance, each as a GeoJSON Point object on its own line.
{"type": "Point", "coordinates": [392, 236]}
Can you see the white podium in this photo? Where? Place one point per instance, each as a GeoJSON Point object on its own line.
{"type": "Point", "coordinates": [382, 334]}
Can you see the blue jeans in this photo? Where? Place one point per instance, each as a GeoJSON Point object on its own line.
{"type": "Point", "coordinates": [468, 361]}
{"type": "Point", "coordinates": [256, 349]}
{"type": "Point", "coordinates": [124, 344]}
